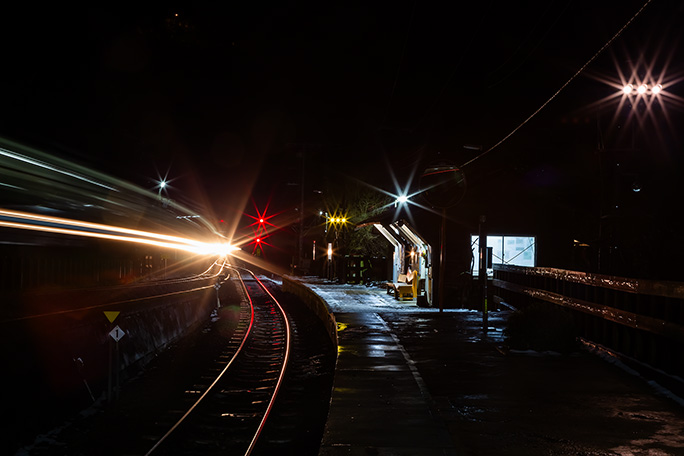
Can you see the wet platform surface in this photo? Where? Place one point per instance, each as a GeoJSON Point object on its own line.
{"type": "Point", "coordinates": [416, 381]}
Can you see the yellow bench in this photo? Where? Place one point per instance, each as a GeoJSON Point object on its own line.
{"type": "Point", "coordinates": [400, 289]}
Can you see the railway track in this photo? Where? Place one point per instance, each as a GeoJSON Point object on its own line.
{"type": "Point", "coordinates": [261, 387]}
{"type": "Point", "coordinates": [228, 411]}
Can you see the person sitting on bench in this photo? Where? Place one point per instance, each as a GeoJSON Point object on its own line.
{"type": "Point", "coordinates": [410, 275]}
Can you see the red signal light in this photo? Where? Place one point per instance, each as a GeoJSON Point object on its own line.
{"type": "Point", "coordinates": [261, 227]}
{"type": "Point", "coordinates": [259, 244]}
{"type": "Point", "coordinates": [261, 219]}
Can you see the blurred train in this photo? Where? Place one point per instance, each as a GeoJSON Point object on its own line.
{"type": "Point", "coordinates": [64, 225]}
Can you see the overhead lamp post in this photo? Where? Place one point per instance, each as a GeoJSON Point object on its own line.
{"type": "Point", "coordinates": [336, 221]}
{"type": "Point", "coordinates": [162, 185]}
{"type": "Point", "coordinates": [640, 93]}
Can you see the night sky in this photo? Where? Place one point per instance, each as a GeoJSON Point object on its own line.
{"type": "Point", "coordinates": [225, 99]}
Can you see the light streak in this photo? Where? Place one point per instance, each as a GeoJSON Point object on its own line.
{"type": "Point", "coordinates": [41, 164]}
{"type": "Point", "coordinates": [33, 166]}
{"type": "Point", "coordinates": [35, 222]}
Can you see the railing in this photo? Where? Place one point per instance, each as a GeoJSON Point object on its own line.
{"type": "Point", "coordinates": [640, 320]}
{"type": "Point", "coordinates": [22, 270]}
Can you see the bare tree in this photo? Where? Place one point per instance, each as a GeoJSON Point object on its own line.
{"type": "Point", "coordinates": [359, 205]}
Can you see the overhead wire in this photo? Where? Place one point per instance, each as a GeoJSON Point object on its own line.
{"type": "Point", "coordinates": [572, 78]}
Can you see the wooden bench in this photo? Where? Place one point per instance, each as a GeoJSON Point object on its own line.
{"type": "Point", "coordinates": [390, 285]}
{"type": "Point", "coordinates": [400, 289]}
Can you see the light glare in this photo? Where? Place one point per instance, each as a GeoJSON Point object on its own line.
{"type": "Point", "coordinates": [35, 222]}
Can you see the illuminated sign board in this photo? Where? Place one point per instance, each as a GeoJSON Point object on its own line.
{"type": "Point", "coordinates": [514, 250]}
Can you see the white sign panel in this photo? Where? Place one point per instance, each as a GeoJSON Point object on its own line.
{"type": "Point", "coordinates": [117, 333]}
{"type": "Point", "coordinates": [514, 250]}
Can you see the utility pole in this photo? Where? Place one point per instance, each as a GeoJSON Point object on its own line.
{"type": "Point", "coordinates": [443, 185]}
{"type": "Point", "coordinates": [442, 261]}
{"type": "Point", "coordinates": [303, 149]}
{"type": "Point", "coordinates": [300, 247]}
{"type": "Point", "coordinates": [482, 273]}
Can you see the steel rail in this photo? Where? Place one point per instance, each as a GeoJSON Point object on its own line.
{"type": "Point", "coordinates": [239, 350]}
{"type": "Point", "coordinates": [216, 380]}
{"type": "Point", "coordinates": [286, 360]}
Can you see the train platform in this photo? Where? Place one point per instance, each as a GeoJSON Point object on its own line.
{"type": "Point", "coordinates": [417, 381]}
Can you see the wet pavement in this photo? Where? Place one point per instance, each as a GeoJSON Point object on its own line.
{"type": "Point", "coordinates": [413, 380]}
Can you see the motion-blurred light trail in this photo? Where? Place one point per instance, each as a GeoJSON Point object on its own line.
{"type": "Point", "coordinates": [41, 164]}
{"type": "Point", "coordinates": [35, 222]}
{"type": "Point", "coordinates": [36, 178]}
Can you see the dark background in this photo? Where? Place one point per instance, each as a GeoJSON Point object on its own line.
{"type": "Point", "coordinates": [227, 100]}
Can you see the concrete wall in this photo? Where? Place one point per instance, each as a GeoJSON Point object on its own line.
{"type": "Point", "coordinates": [59, 352]}
{"type": "Point", "coordinates": [313, 302]}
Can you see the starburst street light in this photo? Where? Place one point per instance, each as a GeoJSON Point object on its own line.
{"type": "Point", "coordinates": [162, 184]}
{"type": "Point", "coordinates": [642, 84]}
{"type": "Point", "coordinates": [335, 220]}
{"type": "Point", "coordinates": [642, 89]}
{"type": "Point", "coordinates": [643, 95]}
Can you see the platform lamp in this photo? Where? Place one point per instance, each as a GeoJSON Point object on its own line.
{"type": "Point", "coordinates": [402, 199]}
{"type": "Point", "coordinates": [330, 257]}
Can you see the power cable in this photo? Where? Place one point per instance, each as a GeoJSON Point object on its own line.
{"type": "Point", "coordinates": [572, 78]}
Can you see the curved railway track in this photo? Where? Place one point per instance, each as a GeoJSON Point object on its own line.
{"type": "Point", "coordinates": [232, 409]}
{"type": "Point", "coordinates": [217, 395]}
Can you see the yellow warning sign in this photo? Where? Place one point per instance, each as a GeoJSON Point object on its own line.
{"type": "Point", "coordinates": [111, 315]}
